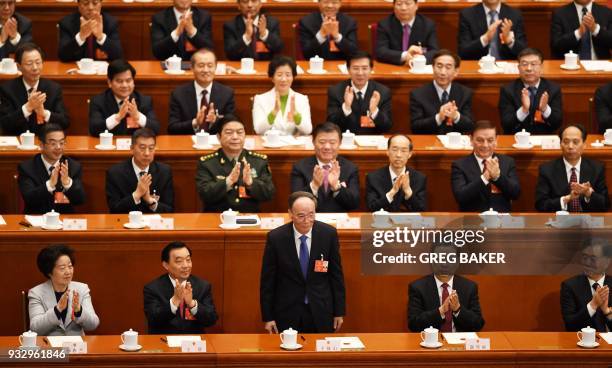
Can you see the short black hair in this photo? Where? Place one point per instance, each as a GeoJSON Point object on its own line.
{"type": "Point", "coordinates": [300, 194]}
{"type": "Point", "coordinates": [143, 133]}
{"type": "Point", "coordinates": [484, 124]}
{"type": "Point", "coordinates": [203, 50]}
{"type": "Point", "coordinates": [446, 52]}
{"type": "Point", "coordinates": [49, 128]}
{"type": "Point", "coordinates": [27, 47]}
{"type": "Point", "coordinates": [326, 127]}
{"type": "Point", "coordinates": [49, 255]}
{"type": "Point", "coordinates": [165, 253]}
{"type": "Point", "coordinates": [530, 51]}
{"type": "Point", "coordinates": [119, 66]}
{"type": "Point", "coordinates": [359, 55]}
{"type": "Point", "coordinates": [578, 126]}
{"type": "Point", "coordinates": [228, 118]}
{"type": "Point", "coordinates": [400, 135]}
{"type": "Point", "coordinates": [281, 60]}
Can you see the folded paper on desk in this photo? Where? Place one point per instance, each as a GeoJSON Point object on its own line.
{"type": "Point", "coordinates": [176, 341]}
{"type": "Point", "coordinates": [9, 142]}
{"type": "Point", "coordinates": [348, 343]}
{"type": "Point", "coordinates": [596, 65]}
{"type": "Point", "coordinates": [607, 336]}
{"type": "Point", "coordinates": [2, 222]}
{"type": "Point", "coordinates": [458, 337]}
{"type": "Point", "coordinates": [330, 217]}
{"type": "Point", "coordinates": [58, 341]}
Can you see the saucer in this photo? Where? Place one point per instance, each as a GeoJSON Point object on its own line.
{"type": "Point", "coordinates": [12, 72]}
{"type": "Point", "coordinates": [294, 347]}
{"type": "Point", "coordinates": [229, 226]}
{"type": "Point", "coordinates": [484, 71]}
{"type": "Point", "coordinates": [51, 227]}
{"type": "Point", "coordinates": [597, 144]}
{"type": "Point", "coordinates": [517, 146]}
{"type": "Point", "coordinates": [130, 348]}
{"type": "Point", "coordinates": [208, 146]}
{"type": "Point", "coordinates": [27, 148]}
{"type": "Point", "coordinates": [129, 225]}
{"type": "Point", "coordinates": [174, 72]}
{"type": "Point", "coordinates": [310, 71]}
{"type": "Point", "coordinates": [105, 148]}
{"type": "Point", "coordinates": [432, 346]}
{"type": "Point", "coordinates": [419, 72]}
{"type": "Point", "coordinates": [348, 147]}
{"type": "Point", "coordinates": [459, 147]}
{"type": "Point", "coordinates": [240, 71]}
{"type": "Point", "coordinates": [91, 72]}
{"type": "Point", "coordinates": [607, 143]}
{"type": "Point", "coordinates": [273, 145]}
{"type": "Point", "coordinates": [582, 345]}
{"type": "Point", "coordinates": [567, 67]}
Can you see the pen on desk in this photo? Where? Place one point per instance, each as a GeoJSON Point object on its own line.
{"type": "Point", "coordinates": [163, 339]}
{"type": "Point", "coordinates": [24, 223]}
{"type": "Point", "coordinates": [46, 341]}
{"type": "Point", "coordinates": [303, 338]}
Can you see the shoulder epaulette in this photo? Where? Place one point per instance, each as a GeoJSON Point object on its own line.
{"type": "Point", "coordinates": [259, 155]}
{"type": "Point", "coordinates": [209, 156]}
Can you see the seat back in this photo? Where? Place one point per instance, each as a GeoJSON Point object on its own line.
{"type": "Point", "coordinates": [372, 27]}
{"type": "Point", "coordinates": [297, 51]}
{"type": "Point", "coordinates": [25, 314]}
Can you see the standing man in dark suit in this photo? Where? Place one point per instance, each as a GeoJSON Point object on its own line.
{"type": "Point", "coordinates": [328, 33]}
{"type": "Point", "coordinates": [572, 183]}
{"type": "Point", "coordinates": [603, 107]}
{"type": "Point", "coordinates": [443, 299]}
{"type": "Point", "coordinates": [442, 106]}
{"type": "Point", "coordinates": [359, 104]}
{"type": "Point", "coordinates": [585, 299]}
{"type": "Point", "coordinates": [584, 27]}
{"type": "Point", "coordinates": [491, 28]}
{"type": "Point", "coordinates": [200, 104]}
{"type": "Point", "coordinates": [252, 34]}
{"type": "Point", "coordinates": [15, 29]}
{"type": "Point", "coordinates": [180, 30]}
{"type": "Point", "coordinates": [485, 179]}
{"type": "Point", "coordinates": [397, 187]}
{"type": "Point", "coordinates": [302, 284]}
{"type": "Point", "coordinates": [332, 179]}
{"type": "Point", "coordinates": [89, 33]}
{"type": "Point", "coordinates": [50, 180]}
{"type": "Point", "coordinates": [178, 302]}
{"type": "Point", "coordinates": [28, 102]}
{"type": "Point", "coordinates": [530, 102]}
{"type": "Point", "coordinates": [404, 34]}
{"type": "Point", "coordinates": [139, 183]}
{"type": "Point", "coordinates": [120, 109]}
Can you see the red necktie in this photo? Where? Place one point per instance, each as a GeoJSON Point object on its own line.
{"type": "Point", "coordinates": [326, 178]}
{"type": "Point", "coordinates": [574, 204]}
{"type": "Point", "coordinates": [447, 325]}
{"type": "Point", "coordinates": [182, 310]}
{"type": "Point", "coordinates": [90, 47]}
{"type": "Point", "coordinates": [493, 187]}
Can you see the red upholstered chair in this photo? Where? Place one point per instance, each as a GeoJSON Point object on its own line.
{"type": "Point", "coordinates": [297, 51]}
{"type": "Point", "coordinates": [372, 33]}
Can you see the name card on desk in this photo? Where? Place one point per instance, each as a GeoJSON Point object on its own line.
{"type": "Point", "coordinates": [348, 223]}
{"type": "Point", "coordinates": [161, 223]}
{"type": "Point", "coordinates": [193, 346]}
{"type": "Point", "coordinates": [75, 224]}
{"type": "Point", "coordinates": [271, 222]}
{"type": "Point", "coordinates": [123, 144]}
{"type": "Point", "coordinates": [551, 143]}
{"type": "Point", "coordinates": [249, 143]}
{"type": "Point", "coordinates": [478, 344]}
{"type": "Point", "coordinates": [75, 347]}
{"type": "Point", "coordinates": [329, 345]}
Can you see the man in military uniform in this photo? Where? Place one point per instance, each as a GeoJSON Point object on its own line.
{"type": "Point", "coordinates": [233, 177]}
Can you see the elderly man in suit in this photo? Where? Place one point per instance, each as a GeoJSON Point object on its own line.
{"type": "Point", "coordinates": [252, 34]}
{"type": "Point", "coordinates": [397, 187]}
{"type": "Point", "coordinates": [49, 180]}
{"type": "Point", "coordinates": [491, 28]}
{"type": "Point", "coordinates": [89, 33]}
{"type": "Point", "coordinates": [404, 34]}
{"type": "Point", "coordinates": [332, 179]}
{"type": "Point", "coordinates": [29, 102]}
{"type": "Point", "coordinates": [572, 183]}
{"type": "Point", "coordinates": [178, 302]}
{"type": "Point", "coordinates": [120, 109]}
{"type": "Point", "coordinates": [485, 179]}
{"type": "Point", "coordinates": [140, 183]}
{"type": "Point", "coordinates": [603, 107]}
{"type": "Point", "coordinates": [15, 29]}
{"type": "Point", "coordinates": [200, 104]}
{"type": "Point", "coordinates": [328, 33]}
{"type": "Point", "coordinates": [442, 106]}
{"type": "Point", "coordinates": [180, 30]}
{"type": "Point", "coordinates": [584, 27]}
{"type": "Point", "coordinates": [301, 283]}
{"type": "Point", "coordinates": [360, 104]}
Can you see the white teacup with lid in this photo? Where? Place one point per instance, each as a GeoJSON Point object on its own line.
{"type": "Point", "coordinates": [129, 338]}
{"type": "Point", "coordinates": [28, 339]}
{"type": "Point", "coordinates": [570, 59]}
{"type": "Point", "coordinates": [348, 139]}
{"type": "Point", "coordinates": [316, 64]}
{"type": "Point", "coordinates": [289, 338]}
{"type": "Point", "coordinates": [27, 139]}
{"type": "Point", "coordinates": [429, 336]}
{"type": "Point", "coordinates": [417, 63]}
{"type": "Point", "coordinates": [51, 219]}
{"type": "Point", "coordinates": [491, 218]}
{"type": "Point", "coordinates": [228, 217]}
{"type": "Point", "coordinates": [247, 65]}
{"type": "Point", "coordinates": [522, 138]}
{"type": "Point", "coordinates": [173, 64]}
{"type": "Point", "coordinates": [586, 336]}
{"type": "Point", "coordinates": [106, 138]}
{"type": "Point", "coordinates": [487, 63]}
{"type": "Point", "coordinates": [202, 138]}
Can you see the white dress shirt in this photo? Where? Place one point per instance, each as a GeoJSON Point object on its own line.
{"type": "Point", "coordinates": [440, 91]}
{"type": "Point", "coordinates": [51, 188]}
{"type": "Point", "coordinates": [568, 172]}
{"type": "Point", "coordinates": [589, 6]}
{"type": "Point", "coordinates": [26, 114]}
{"type": "Point", "coordinates": [393, 177]}
{"type": "Point", "coordinates": [174, 308]}
{"type": "Point", "coordinates": [112, 121]}
{"type": "Point", "coordinates": [296, 237]}
{"type": "Point", "coordinates": [175, 36]}
{"type": "Point", "coordinates": [521, 116]}
{"type": "Point", "coordinates": [450, 290]}
{"type": "Point", "coordinates": [322, 38]}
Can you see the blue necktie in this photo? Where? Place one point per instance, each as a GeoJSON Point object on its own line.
{"type": "Point", "coordinates": [304, 260]}
{"type": "Point", "coordinates": [532, 97]}
{"type": "Point", "coordinates": [585, 41]}
{"type": "Point", "coordinates": [494, 44]}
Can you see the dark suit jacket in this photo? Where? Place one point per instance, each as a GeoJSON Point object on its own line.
{"type": "Point", "coordinates": [423, 304]}
{"type": "Point", "coordinates": [283, 286]}
{"type": "Point", "coordinates": [575, 295]}
{"type": "Point", "coordinates": [69, 49]}
{"type": "Point", "coordinates": [603, 107]}
{"type": "Point", "coordinates": [425, 104]}
{"type": "Point", "coordinates": [164, 22]}
{"type": "Point", "coordinates": [553, 184]}
{"type": "Point", "coordinates": [310, 26]}
{"type": "Point", "coordinates": [104, 105]}
{"type": "Point", "coordinates": [236, 49]}
{"type": "Point", "coordinates": [565, 22]}
{"type": "Point", "coordinates": [378, 183]}
{"type": "Point", "coordinates": [473, 23]}
{"type": "Point", "coordinates": [183, 106]}
{"type": "Point", "coordinates": [121, 181]}
{"type": "Point", "coordinates": [473, 195]}
{"type": "Point", "coordinates": [335, 99]}
{"type": "Point", "coordinates": [389, 38]}
{"type": "Point", "coordinates": [24, 27]}
{"type": "Point", "coordinates": [510, 101]}
{"type": "Point", "coordinates": [160, 320]}
{"type": "Point", "coordinates": [348, 196]}
{"type": "Point", "coordinates": [32, 180]}
{"type": "Point", "coordinates": [12, 97]}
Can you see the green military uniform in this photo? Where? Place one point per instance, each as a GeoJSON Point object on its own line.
{"type": "Point", "coordinates": [212, 188]}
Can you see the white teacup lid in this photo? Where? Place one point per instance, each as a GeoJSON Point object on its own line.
{"type": "Point", "coordinates": [489, 212]}
{"type": "Point", "coordinates": [316, 58]}
{"type": "Point", "coordinates": [52, 213]}
{"type": "Point", "coordinates": [290, 331]}
{"type": "Point", "coordinates": [431, 329]}
{"type": "Point", "coordinates": [106, 133]}
{"type": "Point", "coordinates": [229, 212]}
{"type": "Point", "coordinates": [380, 212]}
{"type": "Point", "coordinates": [29, 333]}
{"type": "Point", "coordinates": [348, 134]}
{"type": "Point", "coordinates": [173, 58]}
{"type": "Point", "coordinates": [27, 132]}
{"type": "Point", "coordinates": [523, 132]}
{"type": "Point", "coordinates": [130, 332]}
{"type": "Point", "coordinates": [588, 329]}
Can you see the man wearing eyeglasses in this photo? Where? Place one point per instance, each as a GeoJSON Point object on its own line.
{"type": "Point", "coordinates": [302, 283]}
{"type": "Point", "coordinates": [89, 33]}
{"type": "Point", "coordinates": [530, 102]}
{"type": "Point", "coordinates": [15, 29]}
{"type": "Point", "coordinates": [29, 102]}
{"type": "Point", "coordinates": [140, 183]}
{"type": "Point", "coordinates": [49, 180]}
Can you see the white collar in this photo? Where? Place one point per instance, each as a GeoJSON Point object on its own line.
{"type": "Point", "coordinates": [255, 20]}
{"type": "Point", "coordinates": [363, 90]}
{"type": "Point", "coordinates": [487, 10]}
{"type": "Point", "coordinates": [579, 7]}
{"type": "Point", "coordinates": [27, 86]}
{"type": "Point", "coordinates": [410, 22]}
{"type": "Point", "coordinates": [297, 234]}
{"type": "Point", "coordinates": [393, 176]}
{"type": "Point", "coordinates": [568, 166]}
{"type": "Point", "coordinates": [178, 14]}
{"type": "Point", "coordinates": [600, 281]}
{"type": "Point", "coordinates": [199, 89]}
{"type": "Point", "coordinates": [439, 283]}
{"type": "Point", "coordinates": [137, 169]}
{"type": "Point", "coordinates": [47, 163]}
{"type": "Point", "coordinates": [320, 163]}
{"type": "Point", "coordinates": [440, 90]}
{"type": "Point", "coordinates": [174, 281]}
{"type": "Point", "coordinates": [537, 85]}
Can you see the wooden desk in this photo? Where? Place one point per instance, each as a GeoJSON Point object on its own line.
{"type": "Point", "coordinates": [429, 157]}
